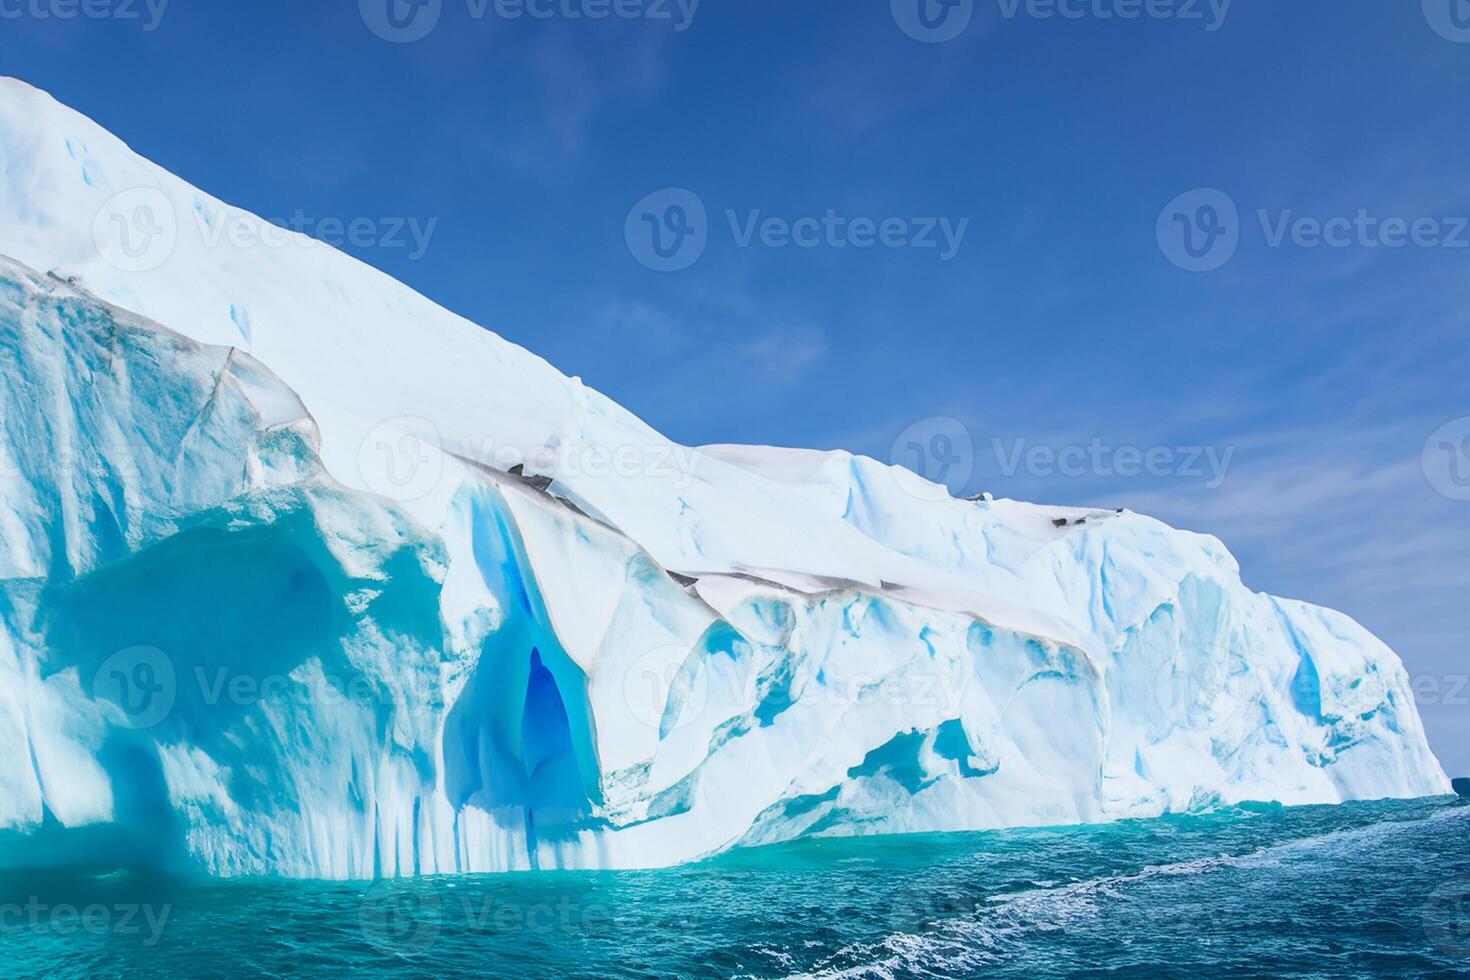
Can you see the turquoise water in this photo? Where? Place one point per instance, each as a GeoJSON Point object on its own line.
{"type": "Point", "coordinates": [1378, 889]}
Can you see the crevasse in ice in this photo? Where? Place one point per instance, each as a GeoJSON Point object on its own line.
{"type": "Point", "coordinates": [304, 575]}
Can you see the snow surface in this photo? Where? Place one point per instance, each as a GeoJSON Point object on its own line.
{"type": "Point", "coordinates": [282, 593]}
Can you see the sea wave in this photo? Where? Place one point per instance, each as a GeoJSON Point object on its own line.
{"type": "Point", "coordinates": [999, 931]}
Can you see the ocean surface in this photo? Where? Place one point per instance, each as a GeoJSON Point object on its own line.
{"type": "Point", "coordinates": [1379, 889]}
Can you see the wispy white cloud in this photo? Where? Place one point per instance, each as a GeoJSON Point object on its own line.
{"type": "Point", "coordinates": [783, 356]}
{"type": "Point", "coordinates": [575, 81]}
{"type": "Point", "coordinates": [715, 331]}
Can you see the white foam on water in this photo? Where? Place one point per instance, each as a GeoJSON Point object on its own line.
{"type": "Point", "coordinates": [1007, 921]}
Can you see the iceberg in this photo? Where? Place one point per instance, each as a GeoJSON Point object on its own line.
{"type": "Point", "coordinates": [304, 575]}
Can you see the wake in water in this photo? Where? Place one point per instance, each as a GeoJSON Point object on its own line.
{"type": "Point", "coordinates": [1143, 909]}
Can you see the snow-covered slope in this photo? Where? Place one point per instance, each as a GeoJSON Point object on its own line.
{"type": "Point", "coordinates": [305, 575]}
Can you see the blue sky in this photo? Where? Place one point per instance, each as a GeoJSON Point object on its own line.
{"type": "Point", "coordinates": [1075, 153]}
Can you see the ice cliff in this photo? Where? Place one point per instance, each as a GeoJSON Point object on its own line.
{"type": "Point", "coordinates": [303, 575]}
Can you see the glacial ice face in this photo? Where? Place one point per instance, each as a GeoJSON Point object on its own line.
{"type": "Point", "coordinates": [272, 602]}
